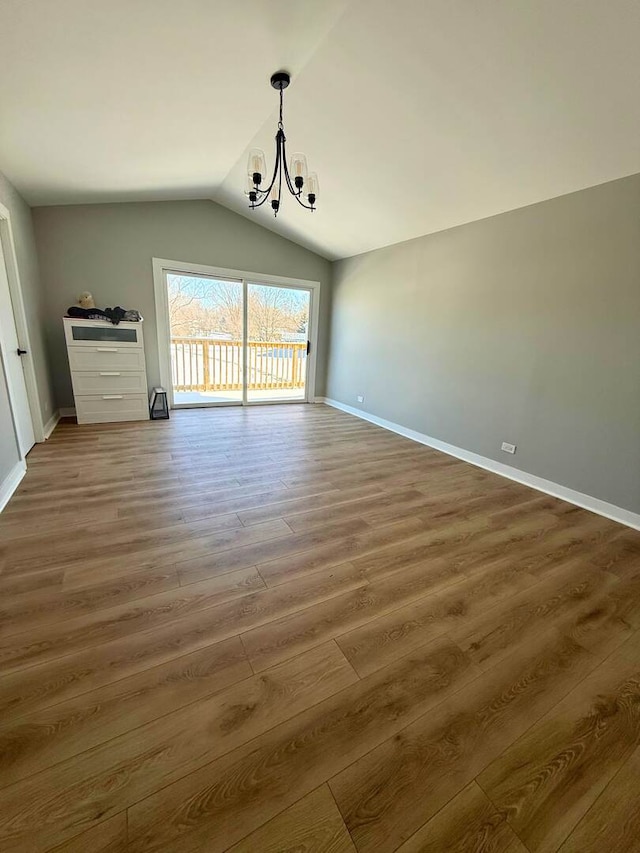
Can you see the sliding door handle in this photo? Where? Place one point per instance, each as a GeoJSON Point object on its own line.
{"type": "Point", "coordinates": [21, 351]}
{"type": "Point", "coordinates": [308, 347]}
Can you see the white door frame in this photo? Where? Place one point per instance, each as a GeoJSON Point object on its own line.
{"type": "Point", "coordinates": [161, 266]}
{"type": "Point", "coordinates": [20, 319]}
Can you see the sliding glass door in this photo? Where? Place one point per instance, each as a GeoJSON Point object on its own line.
{"type": "Point", "coordinates": [206, 318]}
{"type": "Point", "coordinates": [235, 342]}
{"type": "Point", "coordinates": [277, 336]}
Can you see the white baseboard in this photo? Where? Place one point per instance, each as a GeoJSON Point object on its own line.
{"type": "Point", "coordinates": [51, 424]}
{"type": "Point", "coordinates": [11, 482]}
{"type": "Point", "coordinates": [68, 412]}
{"type": "Point", "coordinates": [615, 513]}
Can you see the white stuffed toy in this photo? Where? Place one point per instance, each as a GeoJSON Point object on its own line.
{"type": "Point", "coordinates": [85, 300]}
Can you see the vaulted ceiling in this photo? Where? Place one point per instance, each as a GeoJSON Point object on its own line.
{"type": "Point", "coordinates": [418, 115]}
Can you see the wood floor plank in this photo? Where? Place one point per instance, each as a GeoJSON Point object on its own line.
{"type": "Point", "coordinates": [467, 542]}
{"type": "Point", "coordinates": [219, 804]}
{"type": "Point", "coordinates": [408, 499]}
{"type": "Point", "coordinates": [620, 554]}
{"type": "Point", "coordinates": [613, 821]}
{"type": "Point", "coordinates": [303, 499]}
{"type": "Point", "coordinates": [270, 505]}
{"type": "Point", "coordinates": [15, 586]}
{"type": "Point", "coordinates": [34, 521]}
{"type": "Point", "coordinates": [165, 543]}
{"type": "Point", "coordinates": [40, 685]}
{"type": "Point", "coordinates": [249, 555]}
{"type": "Point", "coordinates": [110, 836]}
{"type": "Point", "coordinates": [312, 825]}
{"type": "Point", "coordinates": [469, 823]}
{"type": "Point", "coordinates": [42, 608]}
{"type": "Point", "coordinates": [337, 550]}
{"type": "Point", "coordinates": [361, 608]}
{"type": "Point", "coordinates": [563, 601]}
{"type": "Point", "coordinates": [58, 803]}
{"type": "Point", "coordinates": [77, 634]}
{"type": "Point", "coordinates": [195, 541]}
{"type": "Point", "coordinates": [30, 529]}
{"type": "Point", "coordinates": [213, 497]}
{"type": "Point", "coordinates": [546, 780]}
{"type": "Point", "coordinates": [387, 795]}
{"type": "Point", "coordinates": [46, 737]}
{"type": "Point", "coordinates": [614, 618]}
{"type": "Point", "coordinates": [390, 636]}
{"type": "Point", "coordinates": [578, 537]}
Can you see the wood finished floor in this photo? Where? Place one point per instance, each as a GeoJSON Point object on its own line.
{"type": "Point", "coordinates": [284, 629]}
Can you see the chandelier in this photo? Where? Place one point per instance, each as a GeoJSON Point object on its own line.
{"type": "Point", "coordinates": [300, 184]}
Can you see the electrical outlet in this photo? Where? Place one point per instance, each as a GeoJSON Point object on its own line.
{"type": "Point", "coordinates": [361, 398]}
{"type": "Point", "coordinates": [508, 448]}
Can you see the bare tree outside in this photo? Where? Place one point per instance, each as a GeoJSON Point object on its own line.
{"type": "Point", "coordinates": [202, 307]}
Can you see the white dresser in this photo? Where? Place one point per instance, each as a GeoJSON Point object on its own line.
{"type": "Point", "coordinates": [108, 370]}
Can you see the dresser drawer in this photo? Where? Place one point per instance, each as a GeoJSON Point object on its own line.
{"type": "Point", "coordinates": [91, 333]}
{"type": "Point", "coordinates": [99, 358]}
{"type": "Point", "coordinates": [104, 408]}
{"type": "Point", "coordinates": [108, 382]}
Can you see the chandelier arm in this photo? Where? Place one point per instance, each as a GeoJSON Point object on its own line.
{"type": "Point", "coordinates": [259, 203]}
{"type": "Point", "coordinates": [302, 204]}
{"type": "Point", "coordinates": [280, 159]}
{"type": "Point", "coordinates": [276, 166]}
{"type": "Point", "coordinates": [292, 189]}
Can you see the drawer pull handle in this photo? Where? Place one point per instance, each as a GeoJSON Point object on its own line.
{"type": "Point", "coordinates": [112, 396]}
{"type": "Point", "coordinates": [107, 349]}
{"type": "Point", "coordinates": [109, 373]}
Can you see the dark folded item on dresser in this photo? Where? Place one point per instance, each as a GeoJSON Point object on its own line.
{"type": "Point", "coordinates": [114, 315]}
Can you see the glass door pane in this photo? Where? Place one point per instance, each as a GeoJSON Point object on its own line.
{"type": "Point", "coordinates": [277, 334]}
{"type": "Point", "coordinates": [206, 319]}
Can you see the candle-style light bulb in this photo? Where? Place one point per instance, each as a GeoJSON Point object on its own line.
{"type": "Point", "coordinates": [298, 170]}
{"type": "Point", "coordinates": [256, 167]}
{"type": "Point", "coordinates": [313, 188]}
{"type": "Point", "coordinates": [274, 198]}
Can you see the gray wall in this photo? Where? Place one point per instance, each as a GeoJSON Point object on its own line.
{"type": "Point", "coordinates": [34, 303]}
{"type": "Point", "coordinates": [107, 249]}
{"type": "Point", "coordinates": [524, 327]}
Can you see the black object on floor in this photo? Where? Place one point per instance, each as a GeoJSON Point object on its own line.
{"type": "Point", "coordinates": [159, 407]}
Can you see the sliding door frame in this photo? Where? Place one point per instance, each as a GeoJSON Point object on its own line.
{"type": "Point", "coordinates": [162, 266]}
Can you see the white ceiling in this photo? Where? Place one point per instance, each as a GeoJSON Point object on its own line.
{"type": "Point", "coordinates": [418, 115]}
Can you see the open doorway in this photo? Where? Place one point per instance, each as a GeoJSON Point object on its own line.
{"type": "Point", "coordinates": [16, 367]}
{"type": "Point", "coordinates": [228, 340]}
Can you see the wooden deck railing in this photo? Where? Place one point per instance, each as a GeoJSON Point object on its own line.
{"type": "Point", "coordinates": [210, 364]}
